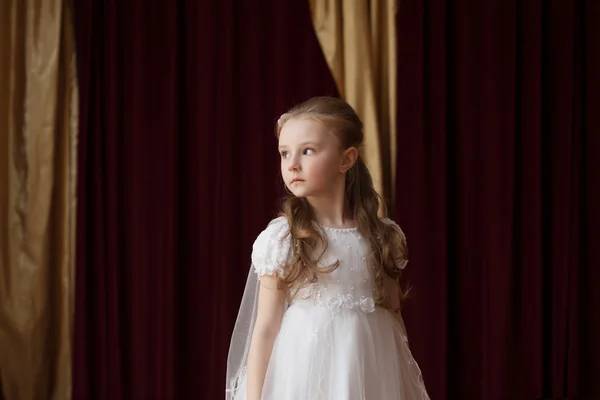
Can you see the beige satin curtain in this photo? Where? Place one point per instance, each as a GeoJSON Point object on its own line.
{"type": "Point", "coordinates": [358, 38]}
{"type": "Point", "coordinates": [38, 114]}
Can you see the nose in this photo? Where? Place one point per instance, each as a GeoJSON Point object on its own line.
{"type": "Point", "coordinates": [294, 165]}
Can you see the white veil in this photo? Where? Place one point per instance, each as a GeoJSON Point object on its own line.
{"type": "Point", "coordinates": [272, 248]}
{"type": "Point", "coordinates": [237, 360]}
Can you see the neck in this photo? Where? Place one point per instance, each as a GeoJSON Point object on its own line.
{"type": "Point", "coordinates": [332, 208]}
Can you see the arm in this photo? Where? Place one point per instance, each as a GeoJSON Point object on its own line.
{"type": "Point", "coordinates": [268, 321]}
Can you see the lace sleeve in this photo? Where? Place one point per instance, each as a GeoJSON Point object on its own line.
{"type": "Point", "coordinates": [271, 248]}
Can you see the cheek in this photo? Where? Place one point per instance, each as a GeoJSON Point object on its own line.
{"type": "Point", "coordinates": [321, 168]}
{"type": "Point", "coordinates": [284, 164]}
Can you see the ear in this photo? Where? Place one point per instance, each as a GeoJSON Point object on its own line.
{"type": "Point", "coordinates": [349, 157]}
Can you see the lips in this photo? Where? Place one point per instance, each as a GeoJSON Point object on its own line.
{"type": "Point", "coordinates": [297, 180]}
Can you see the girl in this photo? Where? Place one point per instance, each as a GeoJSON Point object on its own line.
{"type": "Point", "coordinates": [320, 317]}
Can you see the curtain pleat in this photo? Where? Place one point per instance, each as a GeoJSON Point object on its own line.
{"type": "Point", "coordinates": [358, 39]}
{"type": "Point", "coordinates": [38, 120]}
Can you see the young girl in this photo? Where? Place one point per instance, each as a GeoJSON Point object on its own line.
{"type": "Point", "coordinates": [320, 317]}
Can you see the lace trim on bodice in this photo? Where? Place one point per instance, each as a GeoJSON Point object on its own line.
{"type": "Point", "coordinates": [349, 302]}
{"type": "Point", "coordinates": [319, 295]}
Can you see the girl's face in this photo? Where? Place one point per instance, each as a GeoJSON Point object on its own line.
{"type": "Point", "coordinates": [311, 157]}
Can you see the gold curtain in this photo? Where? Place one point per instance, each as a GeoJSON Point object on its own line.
{"type": "Point", "coordinates": [358, 38]}
{"type": "Point", "coordinates": [38, 115]}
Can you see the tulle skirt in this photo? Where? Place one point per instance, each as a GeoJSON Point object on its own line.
{"type": "Point", "coordinates": [343, 355]}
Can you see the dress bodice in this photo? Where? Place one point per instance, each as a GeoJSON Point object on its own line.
{"type": "Point", "coordinates": [350, 284]}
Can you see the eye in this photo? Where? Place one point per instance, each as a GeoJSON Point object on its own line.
{"type": "Point", "coordinates": [284, 154]}
{"type": "Point", "coordinates": [309, 151]}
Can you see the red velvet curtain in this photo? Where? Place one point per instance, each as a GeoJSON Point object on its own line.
{"type": "Point", "coordinates": [498, 171]}
{"type": "Point", "coordinates": [178, 174]}
{"type": "Point", "coordinates": [498, 178]}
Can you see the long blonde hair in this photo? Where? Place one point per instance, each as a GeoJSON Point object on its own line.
{"type": "Point", "coordinates": [387, 243]}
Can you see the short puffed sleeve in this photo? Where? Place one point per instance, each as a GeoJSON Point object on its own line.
{"type": "Point", "coordinates": [400, 256]}
{"type": "Point", "coordinates": [271, 249]}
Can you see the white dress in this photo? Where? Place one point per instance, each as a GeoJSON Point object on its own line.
{"type": "Point", "coordinates": [334, 343]}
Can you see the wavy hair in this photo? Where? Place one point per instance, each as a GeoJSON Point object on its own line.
{"type": "Point", "coordinates": [387, 243]}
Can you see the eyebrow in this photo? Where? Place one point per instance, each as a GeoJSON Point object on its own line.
{"type": "Point", "coordinates": [301, 144]}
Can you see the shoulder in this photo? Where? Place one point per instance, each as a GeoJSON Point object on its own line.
{"type": "Point", "coordinates": [272, 246]}
{"type": "Point", "coordinates": [275, 231]}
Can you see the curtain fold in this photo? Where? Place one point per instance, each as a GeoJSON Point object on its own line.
{"type": "Point", "coordinates": [500, 137]}
{"type": "Point", "coordinates": [38, 117]}
{"type": "Point", "coordinates": [178, 173]}
{"type": "Point", "coordinates": [358, 38]}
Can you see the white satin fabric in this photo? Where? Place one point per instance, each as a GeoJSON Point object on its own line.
{"type": "Point", "coordinates": [334, 343]}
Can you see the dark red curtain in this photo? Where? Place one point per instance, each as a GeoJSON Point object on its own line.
{"type": "Point", "coordinates": [498, 171]}
{"type": "Point", "coordinates": [178, 173]}
{"type": "Point", "coordinates": [498, 178]}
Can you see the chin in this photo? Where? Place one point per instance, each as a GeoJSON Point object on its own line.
{"type": "Point", "coordinates": [297, 193]}
{"type": "Point", "coordinates": [300, 193]}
